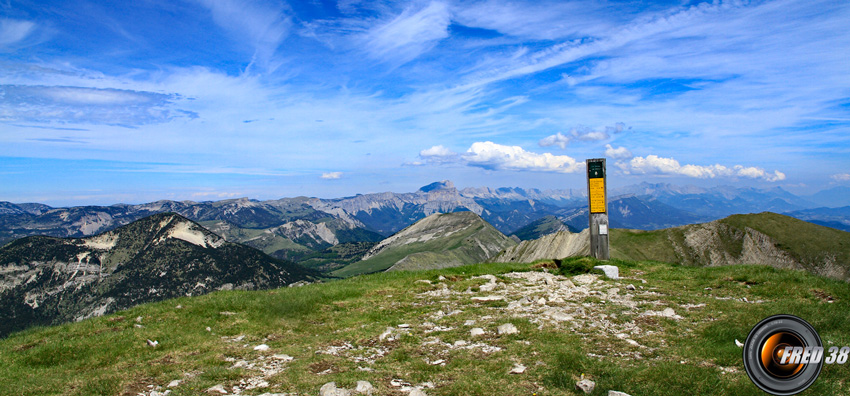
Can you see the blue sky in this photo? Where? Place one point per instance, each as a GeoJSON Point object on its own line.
{"type": "Point", "coordinates": [114, 101]}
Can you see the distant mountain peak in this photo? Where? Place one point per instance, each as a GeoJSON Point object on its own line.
{"type": "Point", "coordinates": [440, 185]}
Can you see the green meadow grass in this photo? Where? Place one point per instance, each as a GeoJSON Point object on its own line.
{"type": "Point", "coordinates": [109, 355]}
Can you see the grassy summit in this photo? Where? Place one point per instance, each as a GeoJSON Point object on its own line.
{"type": "Point", "coordinates": [414, 328]}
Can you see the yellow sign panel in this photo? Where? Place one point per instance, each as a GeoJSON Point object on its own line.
{"type": "Point", "coordinates": [597, 195]}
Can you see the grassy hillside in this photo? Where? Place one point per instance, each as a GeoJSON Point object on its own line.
{"type": "Point", "coordinates": [764, 238]}
{"type": "Point", "coordinates": [438, 241]}
{"type": "Point", "coordinates": [412, 326]}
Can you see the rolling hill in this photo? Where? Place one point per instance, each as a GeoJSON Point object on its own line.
{"type": "Point", "coordinates": [438, 241]}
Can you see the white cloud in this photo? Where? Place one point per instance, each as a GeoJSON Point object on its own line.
{"type": "Point", "coordinates": [558, 139]}
{"type": "Point", "coordinates": [489, 155]}
{"type": "Point", "coordinates": [617, 153]}
{"type": "Point", "coordinates": [582, 133]}
{"type": "Point", "coordinates": [841, 177]}
{"type": "Point", "coordinates": [13, 31]}
{"type": "Point", "coordinates": [264, 27]}
{"type": "Point", "coordinates": [410, 34]}
{"type": "Point", "coordinates": [437, 151]}
{"type": "Point", "coordinates": [331, 175]}
{"type": "Point", "coordinates": [653, 164]}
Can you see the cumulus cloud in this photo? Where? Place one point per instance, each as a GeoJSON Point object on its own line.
{"type": "Point", "coordinates": [617, 153]}
{"type": "Point", "coordinates": [331, 175]}
{"type": "Point", "coordinates": [653, 164]}
{"type": "Point", "coordinates": [489, 155]}
{"type": "Point", "coordinates": [558, 139]}
{"type": "Point", "coordinates": [584, 134]}
{"type": "Point", "coordinates": [841, 177]}
{"type": "Point", "coordinates": [437, 151]}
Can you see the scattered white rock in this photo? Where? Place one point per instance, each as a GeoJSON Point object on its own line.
{"type": "Point", "coordinates": [404, 326]}
{"type": "Point", "coordinates": [425, 281]}
{"type": "Point", "coordinates": [330, 389]}
{"type": "Point", "coordinates": [209, 329]}
{"type": "Point", "coordinates": [285, 358]}
{"type": "Point", "coordinates": [138, 326]}
{"type": "Point", "coordinates": [138, 319]}
{"type": "Point", "coordinates": [438, 362]}
{"type": "Point", "coordinates": [632, 342]}
{"type": "Point", "coordinates": [219, 389]}
{"type": "Point", "coordinates": [261, 347]}
{"type": "Point", "coordinates": [610, 271]}
{"type": "Point", "coordinates": [488, 298]}
{"type": "Point", "coordinates": [469, 323]}
{"type": "Point", "coordinates": [586, 385]}
{"type": "Point", "coordinates": [630, 287]}
{"type": "Point", "coordinates": [518, 369]}
{"type": "Point", "coordinates": [417, 392]}
{"type": "Point", "coordinates": [153, 343]}
{"type": "Point", "coordinates": [739, 344]}
{"type": "Point", "coordinates": [364, 387]}
{"type": "Point", "coordinates": [441, 278]}
{"type": "Point", "coordinates": [616, 393]}
{"type": "Point", "coordinates": [541, 301]}
{"type": "Point", "coordinates": [179, 307]}
{"type": "Point", "coordinates": [397, 383]}
{"type": "Point", "coordinates": [386, 334]}
{"type": "Point", "coordinates": [507, 328]}
{"type": "Point", "coordinates": [476, 331]}
{"type": "Point", "coordinates": [460, 343]}
{"type": "Point", "coordinates": [173, 384]}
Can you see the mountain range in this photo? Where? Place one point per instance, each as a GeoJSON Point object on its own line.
{"type": "Point", "coordinates": [48, 280]}
{"type": "Point", "coordinates": [304, 229]}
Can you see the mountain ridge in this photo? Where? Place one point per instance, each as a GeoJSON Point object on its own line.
{"type": "Point", "coordinates": [47, 280]}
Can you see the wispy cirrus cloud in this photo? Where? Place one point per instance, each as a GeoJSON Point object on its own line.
{"type": "Point", "coordinates": [261, 25]}
{"type": "Point", "coordinates": [13, 32]}
{"type": "Point", "coordinates": [410, 34]}
{"type": "Point", "coordinates": [84, 105]}
{"type": "Point", "coordinates": [841, 177]}
{"type": "Point", "coordinates": [653, 164]}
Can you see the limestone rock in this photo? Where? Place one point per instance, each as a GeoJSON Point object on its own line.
{"type": "Point", "coordinates": [507, 328]}
{"type": "Point", "coordinates": [610, 271]}
{"type": "Point", "coordinates": [364, 387]}
{"type": "Point", "coordinates": [330, 389]}
{"type": "Point", "coordinates": [217, 390]}
{"type": "Point", "coordinates": [477, 331]}
{"type": "Point", "coordinates": [586, 385]}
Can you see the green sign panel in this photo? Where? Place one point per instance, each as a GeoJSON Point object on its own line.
{"type": "Point", "coordinates": [594, 170]}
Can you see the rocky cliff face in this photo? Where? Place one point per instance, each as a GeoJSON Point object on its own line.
{"type": "Point", "coordinates": [552, 246]}
{"type": "Point", "coordinates": [45, 280]}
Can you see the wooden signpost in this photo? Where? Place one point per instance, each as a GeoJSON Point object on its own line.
{"type": "Point", "coordinates": [597, 194]}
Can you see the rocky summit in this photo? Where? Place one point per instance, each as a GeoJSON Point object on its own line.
{"type": "Point", "coordinates": [46, 280]}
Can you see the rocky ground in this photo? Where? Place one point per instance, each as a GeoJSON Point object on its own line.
{"type": "Point", "coordinates": [619, 318]}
